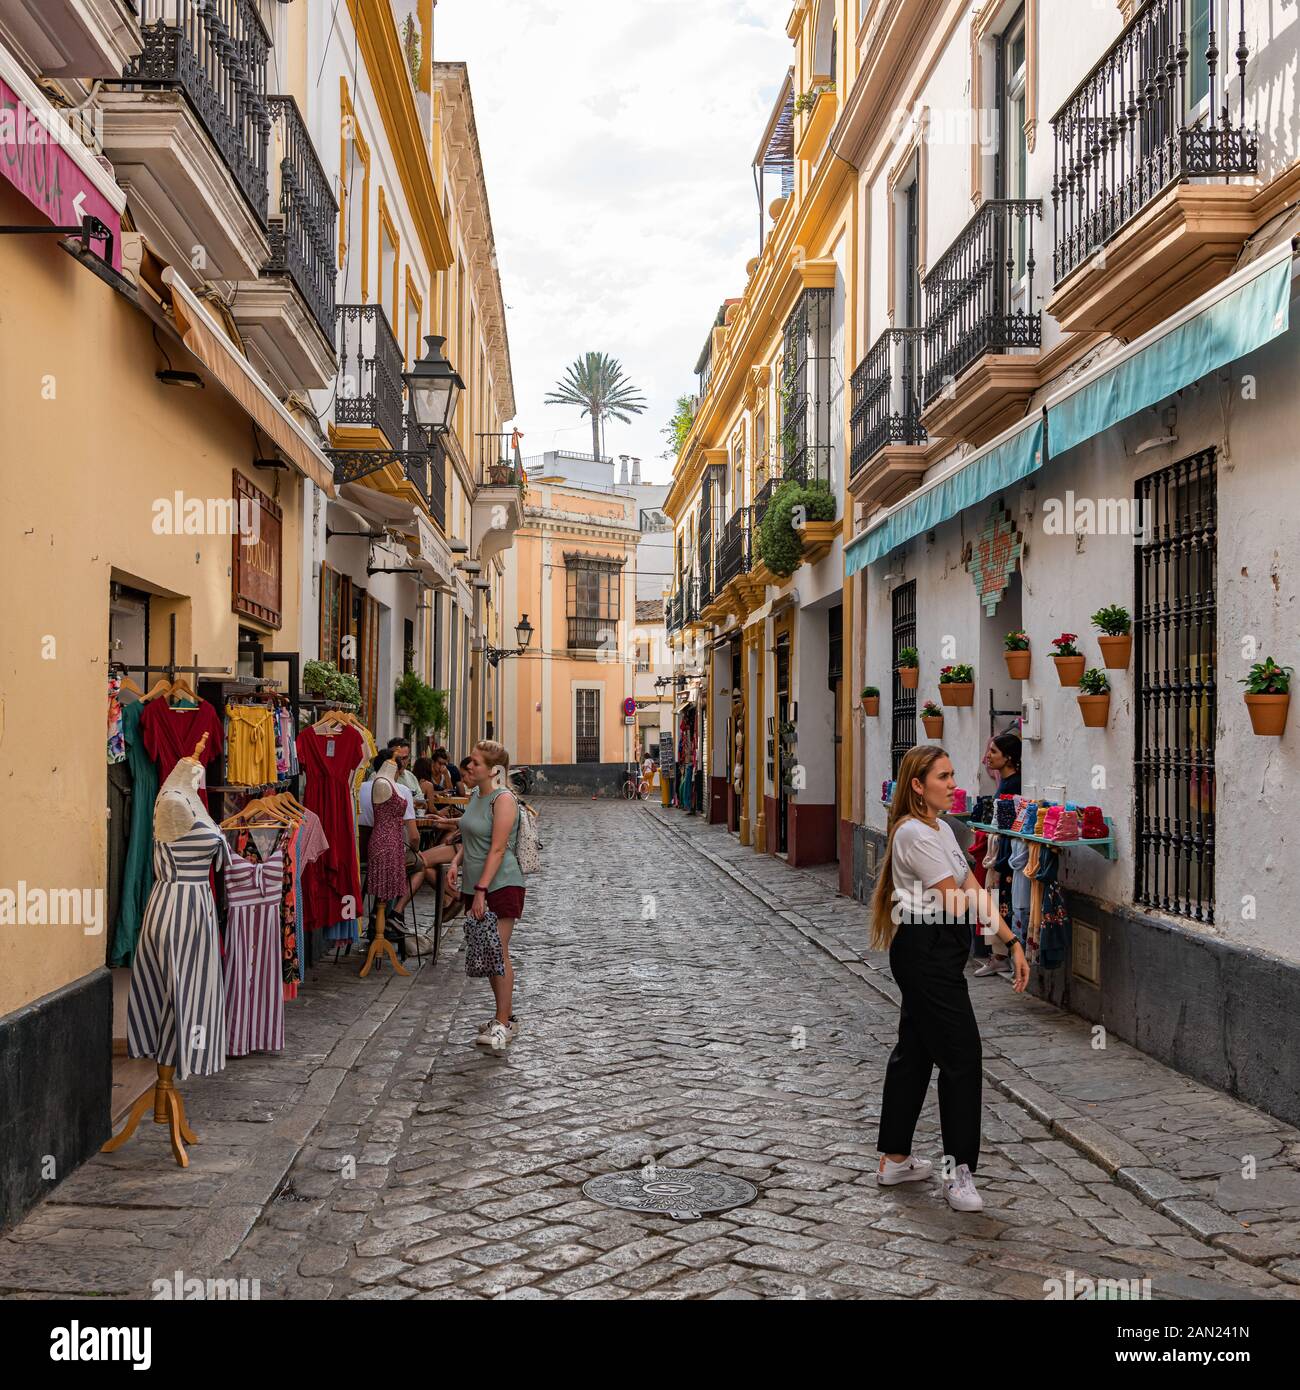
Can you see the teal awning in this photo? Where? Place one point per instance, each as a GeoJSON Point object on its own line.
{"type": "Point", "coordinates": [1005, 460]}
{"type": "Point", "coordinates": [1249, 309]}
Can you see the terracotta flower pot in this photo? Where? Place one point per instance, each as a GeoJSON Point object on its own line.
{"type": "Point", "coordinates": [957, 693]}
{"type": "Point", "coordinates": [1095, 710]}
{"type": "Point", "coordinates": [1069, 669]}
{"type": "Point", "coordinates": [908, 676]}
{"type": "Point", "coordinates": [1268, 713]}
{"type": "Point", "coordinates": [1018, 665]}
{"type": "Point", "coordinates": [933, 726]}
{"type": "Point", "coordinates": [1116, 651]}
{"type": "Point", "coordinates": [871, 706]}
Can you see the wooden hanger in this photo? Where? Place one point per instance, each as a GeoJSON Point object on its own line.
{"type": "Point", "coordinates": [180, 686]}
{"type": "Point", "coordinates": [129, 684]}
{"type": "Point", "coordinates": [162, 686]}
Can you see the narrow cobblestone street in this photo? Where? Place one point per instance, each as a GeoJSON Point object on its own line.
{"type": "Point", "coordinates": [674, 1011]}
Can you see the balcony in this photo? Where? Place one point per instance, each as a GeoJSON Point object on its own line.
{"type": "Point", "coordinates": [187, 130]}
{"type": "Point", "coordinates": [370, 374]}
{"type": "Point", "coordinates": [76, 38]}
{"type": "Point", "coordinates": [1135, 238]}
{"type": "Point", "coordinates": [979, 316]}
{"type": "Point", "coordinates": [806, 388]}
{"type": "Point", "coordinates": [734, 553]}
{"type": "Point", "coordinates": [427, 474]}
{"type": "Point", "coordinates": [673, 611]}
{"type": "Point", "coordinates": [497, 511]}
{"type": "Point", "coordinates": [691, 602]}
{"type": "Point", "coordinates": [286, 317]}
{"type": "Point", "coordinates": [888, 438]}
{"type": "Point", "coordinates": [593, 634]}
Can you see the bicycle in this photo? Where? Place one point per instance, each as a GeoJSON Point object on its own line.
{"type": "Point", "coordinates": [636, 787]}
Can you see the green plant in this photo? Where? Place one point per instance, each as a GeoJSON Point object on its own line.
{"type": "Point", "coordinates": [1016, 641]}
{"type": "Point", "coordinates": [597, 384]}
{"type": "Point", "coordinates": [679, 427]}
{"type": "Point", "coordinates": [805, 101]}
{"type": "Point", "coordinates": [870, 692]}
{"type": "Point", "coordinates": [957, 675]}
{"type": "Point", "coordinates": [930, 710]}
{"type": "Point", "coordinates": [324, 679]}
{"type": "Point", "coordinates": [908, 656]}
{"type": "Point", "coordinates": [1094, 682]}
{"type": "Point", "coordinates": [1113, 621]}
{"type": "Point", "coordinates": [779, 544]}
{"type": "Point", "coordinates": [1064, 644]}
{"type": "Point", "coordinates": [422, 704]}
{"type": "Point", "coordinates": [411, 43]}
{"type": "Point", "coordinates": [1267, 678]}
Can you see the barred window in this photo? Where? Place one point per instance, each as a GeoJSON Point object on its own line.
{"type": "Point", "coordinates": [594, 600]}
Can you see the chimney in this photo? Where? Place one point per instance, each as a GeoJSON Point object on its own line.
{"type": "Point", "coordinates": [622, 476]}
{"type": "Point", "coordinates": [636, 472]}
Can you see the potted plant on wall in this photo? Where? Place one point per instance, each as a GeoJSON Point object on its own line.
{"type": "Point", "coordinates": [957, 685]}
{"type": "Point", "coordinates": [1017, 655]}
{"type": "Point", "coordinates": [870, 701]}
{"type": "Point", "coordinates": [1069, 659]}
{"type": "Point", "coordinates": [1268, 696]}
{"type": "Point", "coordinates": [932, 718]}
{"type": "Point", "coordinates": [1094, 699]}
{"type": "Point", "coordinates": [1116, 641]}
{"type": "Point", "coordinates": [909, 668]}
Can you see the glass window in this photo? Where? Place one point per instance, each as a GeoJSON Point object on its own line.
{"type": "Point", "coordinates": [1198, 40]}
{"type": "Point", "coordinates": [587, 725]}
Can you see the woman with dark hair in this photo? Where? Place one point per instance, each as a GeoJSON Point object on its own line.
{"type": "Point", "coordinates": [925, 901]}
{"type": "Point", "coordinates": [1002, 758]}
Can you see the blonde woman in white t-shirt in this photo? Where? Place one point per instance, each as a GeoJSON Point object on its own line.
{"type": "Point", "coordinates": [923, 910]}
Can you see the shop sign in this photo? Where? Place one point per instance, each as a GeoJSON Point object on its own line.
{"type": "Point", "coordinates": [34, 159]}
{"type": "Point", "coordinates": [428, 541]}
{"type": "Point", "coordinates": [257, 556]}
{"type": "Point", "coordinates": [992, 558]}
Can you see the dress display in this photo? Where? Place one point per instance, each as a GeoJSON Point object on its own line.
{"type": "Point", "coordinates": [332, 885]}
{"type": "Point", "coordinates": [386, 855]}
{"type": "Point", "coordinates": [137, 869]}
{"type": "Point", "coordinates": [176, 1010]}
{"type": "Point", "coordinates": [171, 733]}
{"type": "Point", "coordinates": [252, 970]}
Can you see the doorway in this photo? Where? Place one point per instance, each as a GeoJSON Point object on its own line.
{"type": "Point", "coordinates": [785, 759]}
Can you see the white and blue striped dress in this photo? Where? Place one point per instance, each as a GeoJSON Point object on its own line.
{"type": "Point", "coordinates": [176, 1012]}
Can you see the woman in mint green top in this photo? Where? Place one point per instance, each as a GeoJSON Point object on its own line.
{"type": "Point", "coordinates": [487, 871]}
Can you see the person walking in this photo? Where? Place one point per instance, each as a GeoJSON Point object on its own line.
{"type": "Point", "coordinates": [487, 869]}
{"type": "Point", "coordinates": [921, 912]}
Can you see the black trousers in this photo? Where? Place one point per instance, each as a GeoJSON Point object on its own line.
{"type": "Point", "coordinates": [936, 1028]}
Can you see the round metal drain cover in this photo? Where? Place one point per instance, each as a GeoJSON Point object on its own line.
{"type": "Point", "coordinates": [683, 1193]}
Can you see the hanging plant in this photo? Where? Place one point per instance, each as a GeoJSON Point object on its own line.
{"type": "Point", "coordinates": [870, 701]}
{"type": "Point", "coordinates": [1094, 699]}
{"type": "Point", "coordinates": [1268, 696]}
{"type": "Point", "coordinates": [932, 718]}
{"type": "Point", "coordinates": [957, 685]}
{"type": "Point", "coordinates": [1069, 660]}
{"type": "Point", "coordinates": [1016, 654]}
{"type": "Point", "coordinates": [324, 680]}
{"type": "Point", "coordinates": [1117, 641]}
{"type": "Point", "coordinates": [908, 667]}
{"type": "Point", "coordinates": [780, 546]}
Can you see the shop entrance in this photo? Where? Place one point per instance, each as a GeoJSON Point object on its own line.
{"type": "Point", "coordinates": [785, 758]}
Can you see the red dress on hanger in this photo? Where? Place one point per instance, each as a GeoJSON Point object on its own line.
{"type": "Point", "coordinates": [172, 734]}
{"type": "Point", "coordinates": [330, 761]}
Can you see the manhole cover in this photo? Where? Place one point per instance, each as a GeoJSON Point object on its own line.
{"type": "Point", "coordinates": [683, 1193]}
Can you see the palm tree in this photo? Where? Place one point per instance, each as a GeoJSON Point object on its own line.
{"type": "Point", "coordinates": [597, 384]}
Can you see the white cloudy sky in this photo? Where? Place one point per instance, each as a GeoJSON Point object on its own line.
{"type": "Point", "coordinates": [617, 138]}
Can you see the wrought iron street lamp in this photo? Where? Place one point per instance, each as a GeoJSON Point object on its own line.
{"type": "Point", "coordinates": [433, 388]}
{"type": "Point", "coordinates": [523, 635]}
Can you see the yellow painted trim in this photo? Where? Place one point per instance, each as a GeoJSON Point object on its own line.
{"type": "Point", "coordinates": [387, 227]}
{"type": "Point", "coordinates": [348, 113]}
{"type": "Point", "coordinates": [412, 293]}
{"type": "Point", "coordinates": [385, 62]}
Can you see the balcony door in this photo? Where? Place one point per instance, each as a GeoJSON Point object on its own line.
{"type": "Point", "coordinates": [1013, 146]}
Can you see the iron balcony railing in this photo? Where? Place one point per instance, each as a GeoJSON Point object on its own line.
{"type": "Point", "coordinates": [427, 473]}
{"type": "Point", "coordinates": [734, 548]}
{"type": "Point", "coordinates": [887, 396]}
{"type": "Point", "coordinates": [704, 568]}
{"type": "Point", "coordinates": [499, 461]}
{"type": "Point", "coordinates": [1153, 112]}
{"type": "Point", "coordinates": [763, 497]}
{"type": "Point", "coordinates": [592, 634]}
{"type": "Point", "coordinates": [303, 229]}
{"type": "Point", "coordinates": [215, 52]}
{"type": "Point", "coordinates": [806, 388]}
{"type": "Point", "coordinates": [979, 293]}
{"type": "Point", "coordinates": [370, 372]}
{"type": "Point", "coordinates": [691, 601]}
{"type": "Point", "coordinates": [673, 611]}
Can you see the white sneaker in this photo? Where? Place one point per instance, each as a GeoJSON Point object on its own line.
{"type": "Point", "coordinates": [497, 1037]}
{"type": "Point", "coordinates": [911, 1169]}
{"type": "Point", "coordinates": [960, 1191]}
{"type": "Point", "coordinates": [514, 1028]}
{"type": "Point", "coordinates": [995, 965]}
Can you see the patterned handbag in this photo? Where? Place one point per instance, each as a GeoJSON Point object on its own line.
{"type": "Point", "coordinates": [528, 847]}
{"type": "Point", "coordinates": [483, 946]}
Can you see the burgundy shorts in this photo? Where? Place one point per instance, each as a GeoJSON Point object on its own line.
{"type": "Point", "coordinates": [507, 903]}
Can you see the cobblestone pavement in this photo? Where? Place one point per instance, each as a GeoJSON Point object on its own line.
{"type": "Point", "coordinates": [688, 1003]}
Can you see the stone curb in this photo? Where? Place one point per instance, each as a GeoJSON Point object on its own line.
{"type": "Point", "coordinates": [1164, 1193]}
